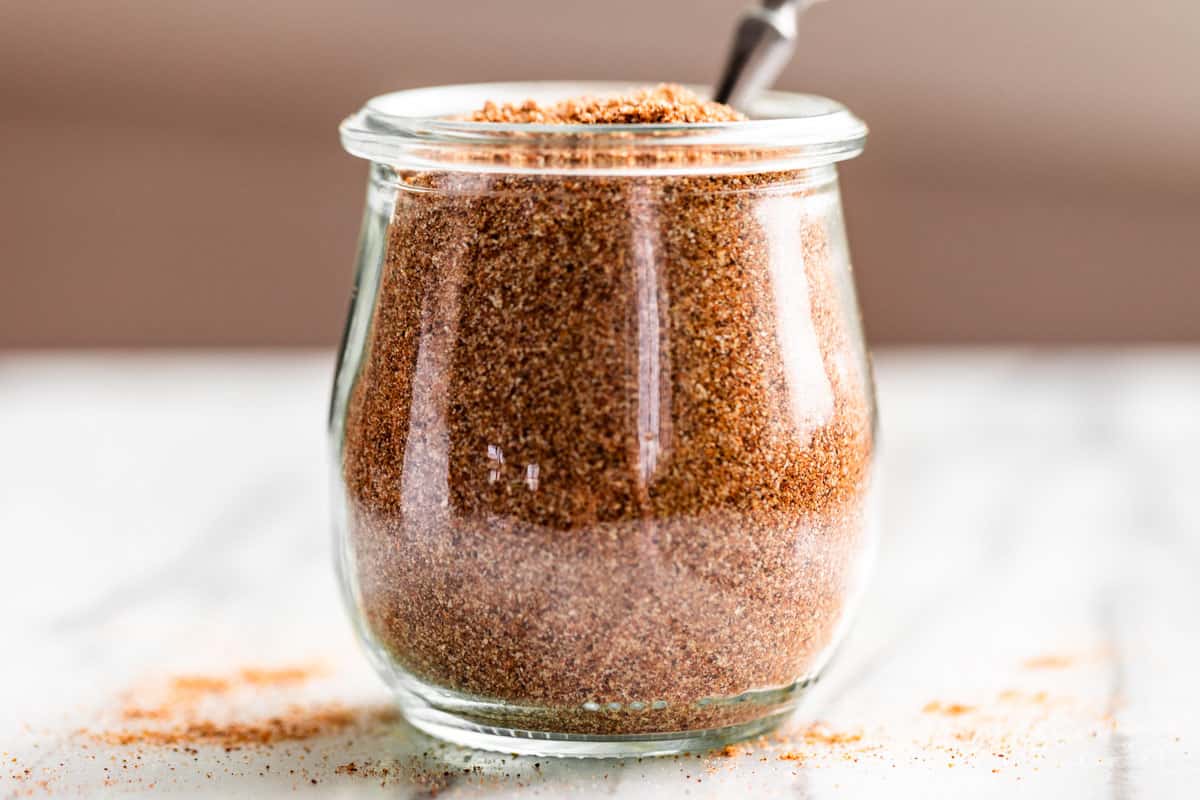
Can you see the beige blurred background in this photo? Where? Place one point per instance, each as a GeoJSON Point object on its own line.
{"type": "Point", "coordinates": [172, 175]}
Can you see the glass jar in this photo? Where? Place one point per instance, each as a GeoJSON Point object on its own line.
{"type": "Point", "coordinates": [603, 420]}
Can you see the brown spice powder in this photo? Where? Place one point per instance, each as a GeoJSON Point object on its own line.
{"type": "Point", "coordinates": [1050, 662]}
{"type": "Point", "coordinates": [577, 478]}
{"type": "Point", "coordinates": [180, 712]}
{"type": "Point", "coordinates": [948, 709]}
{"type": "Point", "coordinates": [818, 733]}
{"type": "Point", "coordinates": [296, 724]}
{"type": "Point", "coordinates": [666, 103]}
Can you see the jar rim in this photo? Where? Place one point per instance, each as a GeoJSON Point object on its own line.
{"type": "Point", "coordinates": [417, 129]}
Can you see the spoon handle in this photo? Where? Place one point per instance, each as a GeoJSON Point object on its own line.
{"type": "Point", "coordinates": [762, 45]}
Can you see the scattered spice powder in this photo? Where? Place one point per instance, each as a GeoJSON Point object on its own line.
{"type": "Point", "coordinates": [819, 733]}
{"type": "Point", "coordinates": [296, 724]}
{"type": "Point", "coordinates": [607, 450]}
{"type": "Point", "coordinates": [1008, 736]}
{"type": "Point", "coordinates": [948, 709]}
{"type": "Point", "coordinates": [818, 738]}
{"type": "Point", "coordinates": [286, 676]}
{"type": "Point", "coordinates": [194, 684]}
{"type": "Point", "coordinates": [1015, 696]}
{"type": "Point", "coordinates": [182, 712]}
{"type": "Point", "coordinates": [1049, 662]}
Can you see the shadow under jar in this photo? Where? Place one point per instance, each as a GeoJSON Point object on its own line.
{"type": "Point", "coordinates": [603, 420]}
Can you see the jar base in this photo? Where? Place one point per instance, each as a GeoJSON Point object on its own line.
{"type": "Point", "coordinates": [460, 731]}
{"type": "Point", "coordinates": [457, 719]}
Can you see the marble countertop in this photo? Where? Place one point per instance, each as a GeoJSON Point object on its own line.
{"type": "Point", "coordinates": [1032, 629]}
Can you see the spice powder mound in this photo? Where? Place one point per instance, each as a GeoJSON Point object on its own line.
{"type": "Point", "coordinates": [607, 450]}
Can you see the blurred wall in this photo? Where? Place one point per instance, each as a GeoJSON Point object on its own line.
{"type": "Point", "coordinates": [172, 176]}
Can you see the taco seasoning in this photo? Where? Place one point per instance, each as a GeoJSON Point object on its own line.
{"type": "Point", "coordinates": [603, 419]}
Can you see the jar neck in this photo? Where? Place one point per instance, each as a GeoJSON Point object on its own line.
{"type": "Point", "coordinates": [424, 129]}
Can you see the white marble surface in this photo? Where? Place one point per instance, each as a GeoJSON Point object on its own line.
{"type": "Point", "coordinates": [166, 515]}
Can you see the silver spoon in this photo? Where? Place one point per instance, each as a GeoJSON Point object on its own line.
{"type": "Point", "coordinates": [762, 45]}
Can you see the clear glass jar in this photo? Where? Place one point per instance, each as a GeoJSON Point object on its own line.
{"type": "Point", "coordinates": [603, 420]}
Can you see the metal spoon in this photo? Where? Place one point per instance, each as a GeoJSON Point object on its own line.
{"type": "Point", "coordinates": [762, 45]}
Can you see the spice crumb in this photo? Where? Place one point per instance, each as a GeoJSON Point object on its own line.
{"type": "Point", "coordinates": [1049, 662]}
{"type": "Point", "coordinates": [948, 709]}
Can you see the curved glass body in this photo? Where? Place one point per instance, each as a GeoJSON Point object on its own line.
{"type": "Point", "coordinates": [604, 444]}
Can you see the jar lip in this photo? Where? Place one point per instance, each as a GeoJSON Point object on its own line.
{"type": "Point", "coordinates": [416, 128]}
